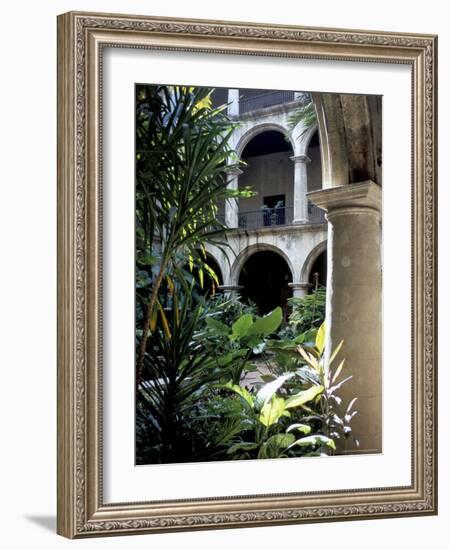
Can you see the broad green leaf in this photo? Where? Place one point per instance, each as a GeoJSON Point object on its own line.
{"type": "Point", "coordinates": [268, 324]}
{"type": "Point", "coordinates": [314, 440]}
{"type": "Point", "coordinates": [243, 446]}
{"type": "Point", "coordinates": [241, 326]}
{"type": "Point", "coordinates": [268, 390]}
{"type": "Point", "coordinates": [275, 444]}
{"type": "Point", "coordinates": [227, 358]}
{"type": "Point", "coordinates": [272, 411]}
{"type": "Point", "coordinates": [303, 397]}
{"type": "Point", "coordinates": [241, 391]}
{"type": "Point", "coordinates": [217, 326]}
{"type": "Point", "coordinates": [303, 428]}
{"type": "Point", "coordinates": [320, 338]}
{"type": "Point", "coordinates": [281, 440]}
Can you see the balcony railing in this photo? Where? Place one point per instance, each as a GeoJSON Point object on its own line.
{"type": "Point", "coordinates": [261, 101]}
{"type": "Point", "coordinates": [265, 217]}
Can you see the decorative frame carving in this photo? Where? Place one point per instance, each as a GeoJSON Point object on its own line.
{"type": "Point", "coordinates": [81, 37]}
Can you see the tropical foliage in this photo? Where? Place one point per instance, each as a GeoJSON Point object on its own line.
{"type": "Point", "coordinates": [215, 381]}
{"type": "Point", "coordinates": [182, 159]}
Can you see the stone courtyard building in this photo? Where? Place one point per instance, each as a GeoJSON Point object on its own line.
{"type": "Point", "coordinates": [317, 211]}
{"type": "Point", "coordinates": [278, 227]}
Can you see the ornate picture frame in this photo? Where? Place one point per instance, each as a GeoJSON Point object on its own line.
{"type": "Point", "coordinates": [82, 38]}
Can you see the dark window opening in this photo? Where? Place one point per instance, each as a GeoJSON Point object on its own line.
{"type": "Point", "coordinates": [274, 210]}
{"type": "Point", "coordinates": [264, 278]}
{"type": "Point", "coordinates": [266, 143]}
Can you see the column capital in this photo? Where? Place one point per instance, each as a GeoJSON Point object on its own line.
{"type": "Point", "coordinates": [303, 159]}
{"type": "Point", "coordinates": [366, 194]}
{"type": "Point", "coordinates": [300, 285]}
{"type": "Point", "coordinates": [234, 171]}
{"type": "Point", "coordinates": [233, 102]}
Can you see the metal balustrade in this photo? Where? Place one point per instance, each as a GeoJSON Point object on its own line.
{"type": "Point", "coordinates": [265, 217]}
{"type": "Point", "coordinates": [274, 217]}
{"type": "Point", "coordinates": [261, 101]}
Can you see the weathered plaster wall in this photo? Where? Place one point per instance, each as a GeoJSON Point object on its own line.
{"type": "Point", "coordinates": [270, 174]}
{"type": "Point", "coordinates": [295, 244]}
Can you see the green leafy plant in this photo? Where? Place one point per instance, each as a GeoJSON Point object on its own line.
{"type": "Point", "coordinates": [308, 311]}
{"type": "Point", "coordinates": [305, 114]}
{"type": "Point", "coordinates": [183, 157]}
{"type": "Point", "coordinates": [178, 375]}
{"type": "Point", "coordinates": [307, 314]}
{"type": "Point", "coordinates": [248, 333]}
{"type": "Point", "coordinates": [227, 308]}
{"type": "Point", "coordinates": [266, 418]}
{"type": "Point", "coordinates": [330, 413]}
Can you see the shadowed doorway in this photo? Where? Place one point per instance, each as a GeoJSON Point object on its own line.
{"type": "Point", "coordinates": [318, 272]}
{"type": "Point", "coordinates": [264, 278]}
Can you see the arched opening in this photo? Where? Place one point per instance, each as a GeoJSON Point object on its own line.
{"type": "Point", "coordinates": [318, 271]}
{"type": "Point", "coordinates": [314, 174]}
{"type": "Point", "coordinates": [269, 172]}
{"type": "Point", "coordinates": [314, 177]}
{"type": "Point", "coordinates": [264, 278]}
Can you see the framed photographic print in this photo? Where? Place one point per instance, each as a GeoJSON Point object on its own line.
{"type": "Point", "coordinates": [246, 276]}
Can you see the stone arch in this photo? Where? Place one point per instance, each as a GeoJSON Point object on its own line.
{"type": "Point", "coordinates": [311, 258]}
{"type": "Point", "coordinates": [350, 138]}
{"type": "Point", "coordinates": [240, 260]}
{"type": "Point", "coordinates": [304, 140]}
{"type": "Point", "coordinates": [259, 129]}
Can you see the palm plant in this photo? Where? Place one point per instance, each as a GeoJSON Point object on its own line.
{"type": "Point", "coordinates": [305, 114]}
{"type": "Point", "coordinates": [178, 375]}
{"type": "Point", "coordinates": [183, 156]}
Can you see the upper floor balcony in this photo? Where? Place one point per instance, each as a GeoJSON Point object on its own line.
{"type": "Point", "coordinates": [242, 101]}
{"type": "Point", "coordinates": [276, 217]}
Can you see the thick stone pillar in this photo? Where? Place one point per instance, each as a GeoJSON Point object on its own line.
{"type": "Point", "coordinates": [300, 211]}
{"type": "Point", "coordinates": [232, 205]}
{"type": "Point", "coordinates": [233, 102]}
{"type": "Point", "coordinates": [354, 300]}
{"type": "Point", "coordinates": [299, 289]}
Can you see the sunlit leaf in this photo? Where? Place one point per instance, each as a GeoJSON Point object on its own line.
{"type": "Point", "coordinates": [320, 338]}
{"type": "Point", "coordinates": [303, 397]}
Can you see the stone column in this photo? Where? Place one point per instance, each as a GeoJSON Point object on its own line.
{"type": "Point", "coordinates": [233, 101]}
{"type": "Point", "coordinates": [299, 289]}
{"type": "Point", "coordinates": [354, 300]}
{"type": "Point", "coordinates": [231, 205]}
{"type": "Point", "coordinates": [300, 211]}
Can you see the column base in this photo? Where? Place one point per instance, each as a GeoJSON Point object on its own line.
{"type": "Point", "coordinates": [230, 288]}
{"type": "Point", "coordinates": [299, 289]}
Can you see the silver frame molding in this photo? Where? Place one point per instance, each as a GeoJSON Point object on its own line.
{"type": "Point", "coordinates": [81, 37]}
